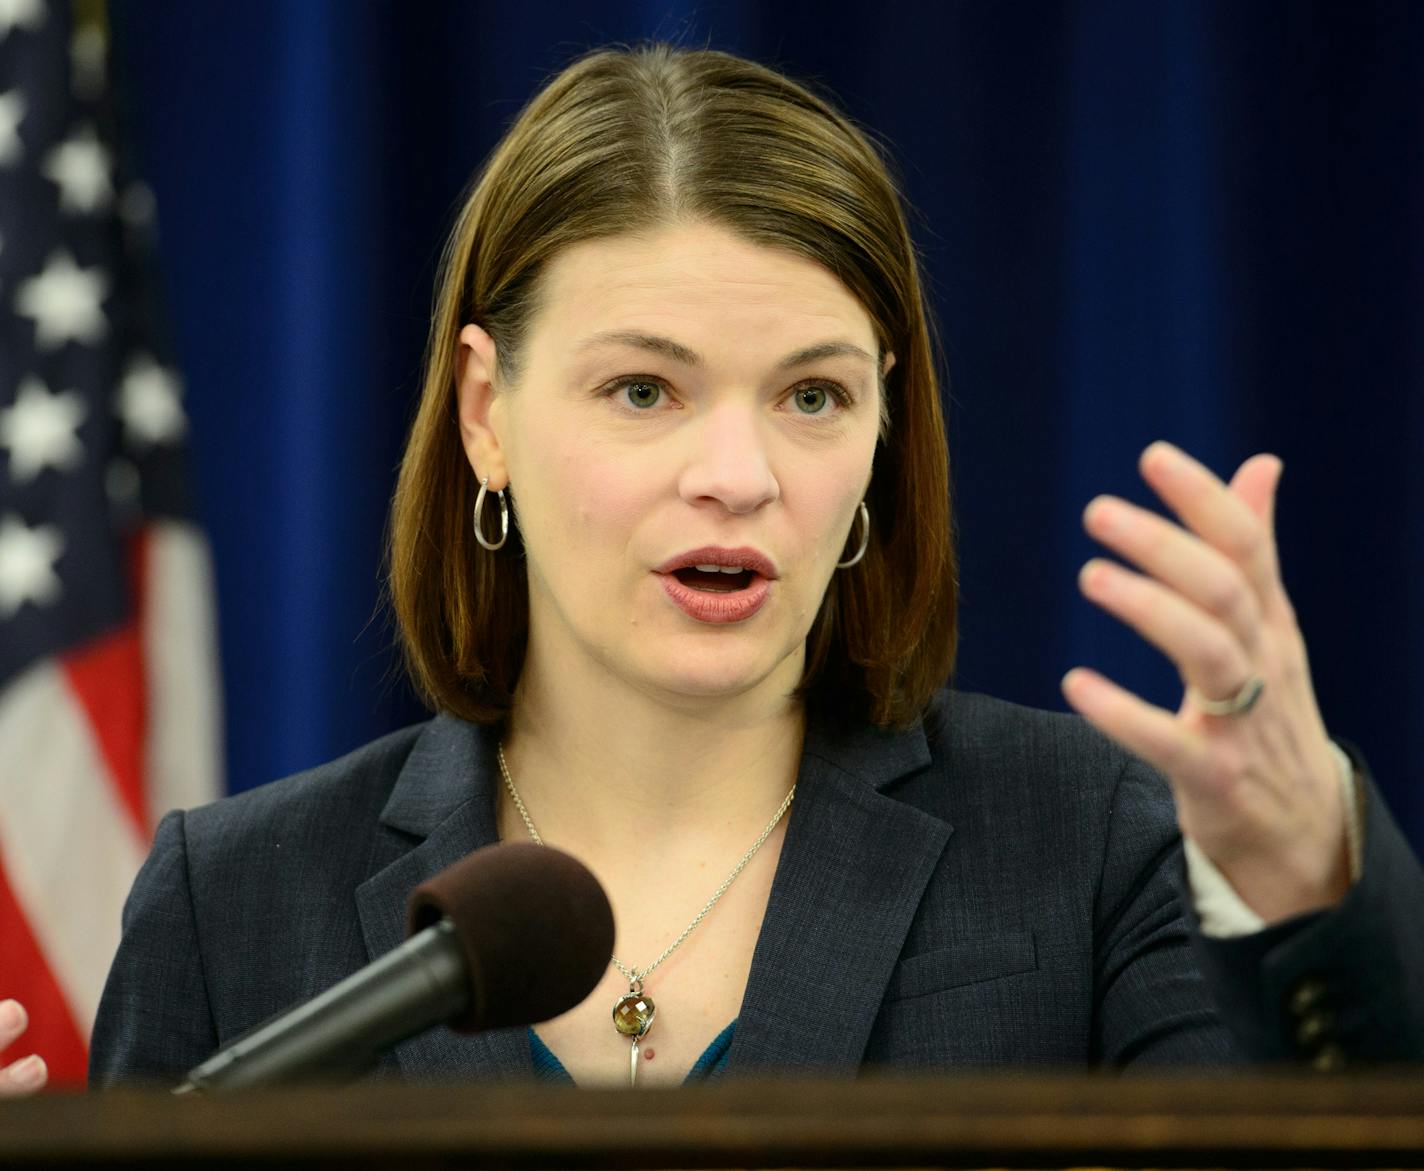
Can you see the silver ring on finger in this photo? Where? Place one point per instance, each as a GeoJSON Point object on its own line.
{"type": "Point", "coordinates": [1237, 705]}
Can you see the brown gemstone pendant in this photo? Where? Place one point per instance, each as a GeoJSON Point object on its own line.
{"type": "Point", "coordinates": [633, 1017]}
{"type": "Point", "coordinates": [633, 1014]}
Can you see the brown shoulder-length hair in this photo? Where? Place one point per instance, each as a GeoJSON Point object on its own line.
{"type": "Point", "coordinates": [617, 142]}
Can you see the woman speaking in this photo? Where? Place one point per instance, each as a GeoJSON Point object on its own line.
{"type": "Point", "coordinates": [671, 560]}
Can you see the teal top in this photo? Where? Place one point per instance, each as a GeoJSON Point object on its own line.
{"type": "Point", "coordinates": [548, 1068]}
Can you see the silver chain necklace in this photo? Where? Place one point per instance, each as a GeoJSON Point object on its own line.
{"type": "Point", "coordinates": [633, 1014]}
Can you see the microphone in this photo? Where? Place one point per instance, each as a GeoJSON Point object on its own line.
{"type": "Point", "coordinates": [511, 934]}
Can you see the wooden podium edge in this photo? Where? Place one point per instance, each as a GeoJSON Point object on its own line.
{"type": "Point", "coordinates": [993, 1120]}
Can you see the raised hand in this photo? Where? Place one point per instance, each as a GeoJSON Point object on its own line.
{"type": "Point", "coordinates": [1258, 789]}
{"type": "Point", "coordinates": [29, 1073]}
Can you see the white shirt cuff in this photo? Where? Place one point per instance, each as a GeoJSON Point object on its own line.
{"type": "Point", "coordinates": [1220, 910]}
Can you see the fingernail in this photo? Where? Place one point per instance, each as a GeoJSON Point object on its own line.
{"type": "Point", "coordinates": [12, 1016]}
{"type": "Point", "coordinates": [30, 1073]}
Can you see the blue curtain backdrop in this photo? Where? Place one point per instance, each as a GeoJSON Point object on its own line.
{"type": "Point", "coordinates": [1200, 221]}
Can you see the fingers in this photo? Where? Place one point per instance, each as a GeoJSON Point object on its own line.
{"type": "Point", "coordinates": [1257, 482]}
{"type": "Point", "coordinates": [1200, 573]}
{"type": "Point", "coordinates": [29, 1074]}
{"type": "Point", "coordinates": [24, 1077]}
{"type": "Point", "coordinates": [1237, 527]}
{"type": "Point", "coordinates": [1146, 731]}
{"type": "Point", "coordinates": [1208, 655]}
{"type": "Point", "coordinates": [14, 1020]}
{"type": "Point", "coordinates": [1218, 576]}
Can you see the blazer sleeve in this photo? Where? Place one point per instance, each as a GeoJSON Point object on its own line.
{"type": "Point", "coordinates": [1340, 987]}
{"type": "Point", "coordinates": [1151, 1002]}
{"type": "Point", "coordinates": [154, 1016]}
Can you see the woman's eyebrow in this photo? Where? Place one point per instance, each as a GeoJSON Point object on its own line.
{"type": "Point", "coordinates": [822, 350]}
{"type": "Point", "coordinates": [643, 341]}
{"type": "Point", "coordinates": [687, 357]}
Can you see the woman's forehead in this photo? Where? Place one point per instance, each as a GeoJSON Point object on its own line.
{"type": "Point", "coordinates": [700, 286]}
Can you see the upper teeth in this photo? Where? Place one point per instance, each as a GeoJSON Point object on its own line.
{"type": "Point", "coordinates": [718, 568]}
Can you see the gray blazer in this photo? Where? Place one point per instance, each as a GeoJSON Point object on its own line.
{"type": "Point", "coordinates": [997, 886]}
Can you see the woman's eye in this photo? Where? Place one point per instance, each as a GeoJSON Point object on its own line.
{"type": "Point", "coordinates": [811, 400]}
{"type": "Point", "coordinates": [642, 394]}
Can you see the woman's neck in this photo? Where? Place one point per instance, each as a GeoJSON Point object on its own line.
{"type": "Point", "coordinates": [604, 768]}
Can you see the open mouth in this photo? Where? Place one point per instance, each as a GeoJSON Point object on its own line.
{"type": "Point", "coordinates": [718, 586]}
{"type": "Point", "coordinates": [715, 579]}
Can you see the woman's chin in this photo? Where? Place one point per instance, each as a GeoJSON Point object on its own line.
{"type": "Point", "coordinates": [710, 677]}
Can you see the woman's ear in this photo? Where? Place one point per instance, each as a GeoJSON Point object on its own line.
{"type": "Point", "coordinates": [480, 407]}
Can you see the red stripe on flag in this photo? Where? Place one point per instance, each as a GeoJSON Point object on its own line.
{"type": "Point", "coordinates": [53, 1033]}
{"type": "Point", "coordinates": [107, 677]}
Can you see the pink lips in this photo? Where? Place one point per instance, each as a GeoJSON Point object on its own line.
{"type": "Point", "coordinates": [703, 606]}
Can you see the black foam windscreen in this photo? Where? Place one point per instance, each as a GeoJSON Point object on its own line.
{"type": "Point", "coordinates": [534, 925]}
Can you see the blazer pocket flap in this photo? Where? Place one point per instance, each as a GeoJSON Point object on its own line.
{"type": "Point", "coordinates": [968, 961]}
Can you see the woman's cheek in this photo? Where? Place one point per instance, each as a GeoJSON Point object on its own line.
{"type": "Point", "coordinates": [608, 495]}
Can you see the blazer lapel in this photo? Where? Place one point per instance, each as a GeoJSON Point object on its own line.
{"type": "Point", "coordinates": [445, 795]}
{"type": "Point", "coordinates": [853, 867]}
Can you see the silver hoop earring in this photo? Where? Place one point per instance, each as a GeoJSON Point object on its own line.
{"type": "Point", "coordinates": [864, 539]}
{"type": "Point", "coordinates": [503, 517]}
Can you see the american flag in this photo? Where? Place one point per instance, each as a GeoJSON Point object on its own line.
{"type": "Point", "coordinates": [108, 684]}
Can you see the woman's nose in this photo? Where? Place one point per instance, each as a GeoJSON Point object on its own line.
{"type": "Point", "coordinates": [728, 461]}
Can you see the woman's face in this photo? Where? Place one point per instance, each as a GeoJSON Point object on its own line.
{"type": "Point", "coordinates": [685, 398]}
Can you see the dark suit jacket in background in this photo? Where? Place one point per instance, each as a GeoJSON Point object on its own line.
{"type": "Point", "coordinates": [997, 886]}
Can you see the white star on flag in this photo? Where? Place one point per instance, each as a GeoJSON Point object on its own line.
{"type": "Point", "coordinates": [40, 430]}
{"type": "Point", "coordinates": [27, 557]}
{"type": "Point", "coordinates": [64, 302]}
{"type": "Point", "coordinates": [80, 166]}
{"type": "Point", "coordinates": [12, 113]}
{"type": "Point", "coordinates": [20, 14]}
{"type": "Point", "coordinates": [149, 403]}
